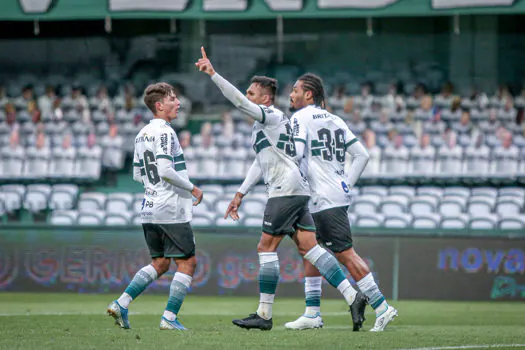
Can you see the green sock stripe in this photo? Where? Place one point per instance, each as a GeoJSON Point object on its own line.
{"type": "Point", "coordinates": [138, 284]}
{"type": "Point", "coordinates": [177, 293]}
{"type": "Point", "coordinates": [329, 268]}
{"type": "Point", "coordinates": [378, 302]}
{"type": "Point", "coordinates": [313, 298]}
{"type": "Point", "coordinates": [269, 277]}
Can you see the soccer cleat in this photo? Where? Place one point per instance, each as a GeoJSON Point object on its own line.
{"type": "Point", "coordinates": [357, 309]}
{"type": "Point", "coordinates": [306, 322]}
{"type": "Point", "coordinates": [384, 319]}
{"type": "Point", "coordinates": [119, 313]}
{"type": "Point", "coordinates": [167, 325]}
{"type": "Point", "coordinates": [254, 321]}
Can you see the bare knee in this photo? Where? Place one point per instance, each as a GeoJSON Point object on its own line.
{"type": "Point", "coordinates": [187, 266]}
{"type": "Point", "coordinates": [305, 240]}
{"type": "Point", "coordinates": [161, 265]}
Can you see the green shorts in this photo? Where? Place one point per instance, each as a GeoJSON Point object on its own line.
{"type": "Point", "coordinates": [283, 215]}
{"type": "Point", "coordinates": [333, 228]}
{"type": "Point", "coordinates": [169, 240]}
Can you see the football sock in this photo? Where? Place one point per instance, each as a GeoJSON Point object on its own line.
{"type": "Point", "coordinates": [312, 292]}
{"type": "Point", "coordinates": [268, 279]}
{"type": "Point", "coordinates": [331, 271]}
{"type": "Point", "coordinates": [142, 279]}
{"type": "Point", "coordinates": [368, 286]}
{"type": "Point", "coordinates": [178, 289]}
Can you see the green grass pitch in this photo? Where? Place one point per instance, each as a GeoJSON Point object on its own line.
{"type": "Point", "coordinates": [71, 321]}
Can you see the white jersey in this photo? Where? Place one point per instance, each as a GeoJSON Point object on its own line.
{"type": "Point", "coordinates": [326, 137]}
{"type": "Point", "coordinates": [273, 143]}
{"type": "Point", "coordinates": [163, 203]}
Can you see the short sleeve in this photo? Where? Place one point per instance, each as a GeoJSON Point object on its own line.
{"type": "Point", "coordinates": [299, 130]}
{"type": "Point", "coordinates": [165, 144]}
{"type": "Point", "coordinates": [350, 138]}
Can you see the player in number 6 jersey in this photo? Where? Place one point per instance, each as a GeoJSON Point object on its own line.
{"type": "Point", "coordinates": [159, 165]}
{"type": "Point", "coordinates": [286, 212]}
{"type": "Point", "coordinates": [323, 141]}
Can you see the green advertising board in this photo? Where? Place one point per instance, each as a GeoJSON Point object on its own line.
{"type": "Point", "coordinates": [21, 10]}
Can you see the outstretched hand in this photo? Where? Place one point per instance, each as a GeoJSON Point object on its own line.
{"type": "Point", "coordinates": [233, 208]}
{"type": "Point", "coordinates": [204, 63]}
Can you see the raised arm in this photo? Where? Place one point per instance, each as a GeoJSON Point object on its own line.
{"type": "Point", "coordinates": [229, 91]}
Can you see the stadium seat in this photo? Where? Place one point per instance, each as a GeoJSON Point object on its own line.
{"type": "Point", "coordinates": [488, 221]}
{"type": "Point", "coordinates": [259, 189]}
{"type": "Point", "coordinates": [406, 191]}
{"type": "Point", "coordinates": [366, 204]}
{"type": "Point", "coordinates": [13, 197]}
{"type": "Point", "coordinates": [90, 217]}
{"type": "Point", "coordinates": [369, 220]}
{"type": "Point", "coordinates": [216, 189]}
{"type": "Point", "coordinates": [122, 218]}
{"type": "Point", "coordinates": [484, 191]}
{"type": "Point", "coordinates": [136, 204]}
{"type": "Point", "coordinates": [479, 206]}
{"type": "Point", "coordinates": [508, 206]}
{"type": "Point", "coordinates": [397, 220]}
{"type": "Point", "coordinates": [454, 222]}
{"type": "Point", "coordinates": [91, 201]}
{"type": "Point", "coordinates": [394, 205]}
{"type": "Point", "coordinates": [136, 220]}
{"type": "Point", "coordinates": [512, 192]}
{"type": "Point", "coordinates": [430, 191]}
{"type": "Point", "coordinates": [252, 221]}
{"type": "Point", "coordinates": [64, 217]}
{"type": "Point", "coordinates": [452, 206]}
{"type": "Point", "coordinates": [426, 220]}
{"type": "Point", "coordinates": [423, 205]}
{"type": "Point", "coordinates": [516, 222]}
{"type": "Point", "coordinates": [210, 198]}
{"type": "Point", "coordinates": [118, 202]}
{"type": "Point", "coordinates": [253, 207]}
{"type": "Point", "coordinates": [36, 198]}
{"type": "Point", "coordinates": [221, 205]}
{"type": "Point", "coordinates": [222, 222]}
{"type": "Point", "coordinates": [200, 220]}
{"type": "Point", "coordinates": [203, 210]}
{"type": "Point", "coordinates": [380, 191]}
{"type": "Point", "coordinates": [63, 197]}
{"type": "Point", "coordinates": [456, 191]}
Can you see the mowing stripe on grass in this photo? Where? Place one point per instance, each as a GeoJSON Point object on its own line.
{"type": "Point", "coordinates": [482, 346]}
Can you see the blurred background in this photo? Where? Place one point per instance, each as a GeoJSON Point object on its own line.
{"type": "Point", "coordinates": [435, 89]}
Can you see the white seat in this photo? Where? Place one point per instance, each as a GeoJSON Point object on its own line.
{"type": "Point", "coordinates": [259, 189]}
{"type": "Point", "coordinates": [122, 218]}
{"type": "Point", "coordinates": [509, 206]}
{"type": "Point", "coordinates": [397, 220]}
{"type": "Point", "coordinates": [457, 191]}
{"type": "Point", "coordinates": [252, 221]}
{"type": "Point", "coordinates": [260, 196]}
{"type": "Point", "coordinates": [61, 200]}
{"type": "Point", "coordinates": [423, 205]}
{"type": "Point", "coordinates": [91, 201]}
{"type": "Point", "coordinates": [479, 206]}
{"type": "Point", "coordinates": [452, 206]}
{"type": "Point", "coordinates": [203, 210]}
{"type": "Point", "coordinates": [136, 220]}
{"type": "Point", "coordinates": [512, 222]}
{"type": "Point", "coordinates": [366, 204]}
{"type": "Point", "coordinates": [118, 202]}
{"type": "Point", "coordinates": [427, 220]}
{"type": "Point", "coordinates": [222, 222]}
{"type": "Point", "coordinates": [484, 191]}
{"type": "Point", "coordinates": [352, 218]}
{"type": "Point", "coordinates": [487, 221]}
{"type": "Point", "coordinates": [512, 192]}
{"type": "Point", "coordinates": [12, 201]}
{"type": "Point", "coordinates": [35, 200]}
{"type": "Point", "coordinates": [253, 207]}
{"type": "Point", "coordinates": [369, 220]}
{"type": "Point", "coordinates": [64, 217]}
{"type": "Point", "coordinates": [90, 217]}
{"type": "Point", "coordinates": [380, 191]}
{"type": "Point", "coordinates": [199, 220]}
{"type": "Point", "coordinates": [217, 189]}
{"type": "Point", "coordinates": [20, 189]}
{"type": "Point", "coordinates": [210, 199]}
{"type": "Point", "coordinates": [73, 189]}
{"type": "Point", "coordinates": [406, 191]}
{"type": "Point", "coordinates": [221, 205]}
{"type": "Point", "coordinates": [394, 205]}
{"type": "Point", "coordinates": [430, 191]}
{"type": "Point", "coordinates": [455, 222]}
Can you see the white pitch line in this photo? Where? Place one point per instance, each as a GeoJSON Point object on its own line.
{"type": "Point", "coordinates": [481, 346]}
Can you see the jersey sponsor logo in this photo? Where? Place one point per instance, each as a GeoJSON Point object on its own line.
{"type": "Point", "coordinates": [345, 186]}
{"type": "Point", "coordinates": [150, 192]}
{"type": "Point", "coordinates": [295, 127]}
{"type": "Point", "coordinates": [164, 142]}
{"type": "Point", "coordinates": [328, 244]}
{"type": "Point", "coordinates": [267, 223]}
{"type": "Point", "coordinates": [145, 138]}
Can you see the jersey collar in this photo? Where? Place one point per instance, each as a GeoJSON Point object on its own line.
{"type": "Point", "coordinates": [159, 121]}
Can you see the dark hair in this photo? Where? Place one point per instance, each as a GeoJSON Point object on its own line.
{"type": "Point", "coordinates": [155, 93]}
{"type": "Point", "coordinates": [314, 84]}
{"type": "Point", "coordinates": [269, 84]}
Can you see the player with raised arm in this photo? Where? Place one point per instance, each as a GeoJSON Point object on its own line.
{"type": "Point", "coordinates": [323, 142]}
{"type": "Point", "coordinates": [158, 164]}
{"type": "Point", "coordinates": [286, 212]}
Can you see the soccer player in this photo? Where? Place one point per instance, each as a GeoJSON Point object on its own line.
{"type": "Point", "coordinates": [159, 165]}
{"type": "Point", "coordinates": [287, 211]}
{"type": "Point", "coordinates": [322, 142]}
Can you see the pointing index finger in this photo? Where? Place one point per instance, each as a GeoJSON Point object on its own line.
{"type": "Point", "coordinates": [203, 52]}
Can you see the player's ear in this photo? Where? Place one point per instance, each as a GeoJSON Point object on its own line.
{"type": "Point", "coordinates": [158, 106]}
{"type": "Point", "coordinates": [308, 95]}
{"type": "Point", "coordinates": [266, 99]}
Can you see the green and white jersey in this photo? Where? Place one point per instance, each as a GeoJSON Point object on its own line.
{"type": "Point", "coordinates": [273, 143]}
{"type": "Point", "coordinates": [326, 138]}
{"type": "Point", "coordinates": [163, 203]}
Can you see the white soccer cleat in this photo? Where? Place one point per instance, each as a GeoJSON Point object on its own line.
{"type": "Point", "coordinates": [383, 320]}
{"type": "Point", "coordinates": [306, 322]}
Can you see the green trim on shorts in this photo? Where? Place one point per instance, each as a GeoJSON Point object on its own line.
{"type": "Point", "coordinates": [158, 255]}
{"type": "Point", "coordinates": [350, 245]}
{"type": "Point", "coordinates": [307, 228]}
{"type": "Point", "coordinates": [175, 256]}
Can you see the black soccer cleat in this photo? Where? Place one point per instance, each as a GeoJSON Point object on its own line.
{"type": "Point", "coordinates": [357, 309]}
{"type": "Point", "coordinates": [254, 321]}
